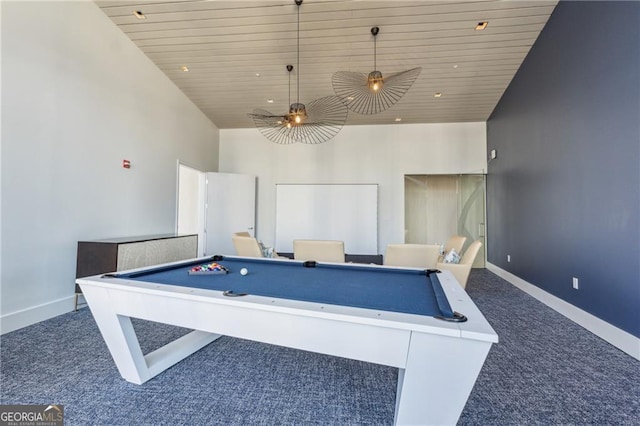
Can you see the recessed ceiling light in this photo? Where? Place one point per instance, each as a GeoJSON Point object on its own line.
{"type": "Point", "coordinates": [257, 74]}
{"type": "Point", "coordinates": [184, 68]}
{"type": "Point", "coordinates": [481, 25]}
{"type": "Point", "coordinates": [455, 66]}
{"type": "Point", "coordinates": [437, 95]}
{"type": "Point", "coordinates": [398, 119]}
{"type": "Point", "coordinates": [269, 101]}
{"type": "Point", "coordinates": [138, 14]}
{"type": "Point", "coordinates": [349, 98]}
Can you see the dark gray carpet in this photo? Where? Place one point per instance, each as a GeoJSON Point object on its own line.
{"type": "Point", "coordinates": [545, 370]}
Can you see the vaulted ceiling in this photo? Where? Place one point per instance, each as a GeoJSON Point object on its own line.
{"type": "Point", "coordinates": [236, 52]}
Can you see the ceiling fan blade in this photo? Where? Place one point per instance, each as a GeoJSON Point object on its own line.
{"type": "Point", "coordinates": [272, 127]}
{"type": "Point", "coordinates": [325, 118]}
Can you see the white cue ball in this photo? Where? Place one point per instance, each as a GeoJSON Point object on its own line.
{"type": "Point", "coordinates": [244, 271]}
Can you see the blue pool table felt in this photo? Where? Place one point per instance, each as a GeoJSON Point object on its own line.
{"type": "Point", "coordinates": [388, 289]}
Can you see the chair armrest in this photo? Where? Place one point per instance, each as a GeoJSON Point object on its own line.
{"type": "Point", "coordinates": [459, 270]}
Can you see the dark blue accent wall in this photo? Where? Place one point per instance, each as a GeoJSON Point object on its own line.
{"type": "Point", "coordinates": [563, 194]}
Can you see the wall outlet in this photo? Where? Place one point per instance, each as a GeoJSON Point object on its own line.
{"type": "Point", "coordinates": [575, 283]}
{"type": "Point", "coordinates": [508, 258]}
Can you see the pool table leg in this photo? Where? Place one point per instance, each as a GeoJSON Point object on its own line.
{"type": "Point", "coordinates": [438, 378]}
{"type": "Point", "coordinates": [121, 339]}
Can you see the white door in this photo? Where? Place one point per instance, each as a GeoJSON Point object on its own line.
{"type": "Point", "coordinates": [191, 201]}
{"type": "Point", "coordinates": [230, 207]}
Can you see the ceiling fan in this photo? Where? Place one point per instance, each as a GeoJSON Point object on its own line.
{"type": "Point", "coordinates": [372, 93]}
{"type": "Point", "coordinates": [316, 122]}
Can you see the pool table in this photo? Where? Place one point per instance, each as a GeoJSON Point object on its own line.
{"type": "Point", "coordinates": [421, 322]}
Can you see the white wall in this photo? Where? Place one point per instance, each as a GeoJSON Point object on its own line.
{"type": "Point", "coordinates": [79, 97]}
{"type": "Point", "coordinates": [358, 154]}
{"type": "Point", "coordinates": [1, 183]}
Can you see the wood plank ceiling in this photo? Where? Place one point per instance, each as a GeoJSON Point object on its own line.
{"type": "Point", "coordinates": [226, 44]}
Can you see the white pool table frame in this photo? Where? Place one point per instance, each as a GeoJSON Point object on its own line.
{"type": "Point", "coordinates": [438, 361]}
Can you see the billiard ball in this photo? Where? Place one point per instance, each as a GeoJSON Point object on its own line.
{"type": "Point", "coordinates": [244, 271]}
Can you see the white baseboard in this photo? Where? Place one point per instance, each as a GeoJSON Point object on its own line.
{"type": "Point", "coordinates": [23, 318]}
{"type": "Point", "coordinates": [624, 341]}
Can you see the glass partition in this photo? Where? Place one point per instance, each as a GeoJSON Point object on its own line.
{"type": "Point", "coordinates": [439, 206]}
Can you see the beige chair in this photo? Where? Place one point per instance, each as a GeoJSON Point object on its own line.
{"type": "Point", "coordinates": [456, 242]}
{"type": "Point", "coordinates": [246, 246]}
{"type": "Point", "coordinates": [412, 255]}
{"type": "Point", "coordinates": [461, 270]}
{"type": "Point", "coordinates": [319, 250]}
